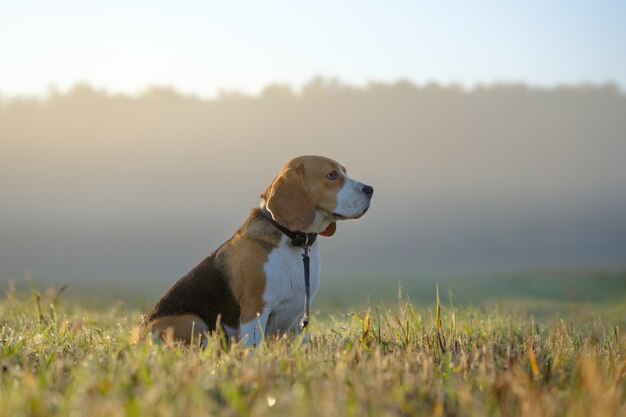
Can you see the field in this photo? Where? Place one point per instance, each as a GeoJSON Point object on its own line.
{"type": "Point", "coordinates": [61, 357]}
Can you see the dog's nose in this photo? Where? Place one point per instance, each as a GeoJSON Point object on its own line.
{"type": "Point", "coordinates": [367, 190]}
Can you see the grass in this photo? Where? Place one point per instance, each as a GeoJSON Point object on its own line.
{"type": "Point", "coordinates": [62, 358]}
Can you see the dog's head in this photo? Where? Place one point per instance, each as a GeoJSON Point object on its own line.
{"type": "Point", "coordinates": [311, 193]}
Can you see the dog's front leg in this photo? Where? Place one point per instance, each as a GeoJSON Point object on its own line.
{"type": "Point", "coordinates": [252, 332]}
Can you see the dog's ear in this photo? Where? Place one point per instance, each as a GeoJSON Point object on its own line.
{"type": "Point", "coordinates": [288, 201]}
{"type": "Point", "coordinates": [330, 230]}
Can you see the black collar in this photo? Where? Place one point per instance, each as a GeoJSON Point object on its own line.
{"type": "Point", "coordinates": [300, 239]}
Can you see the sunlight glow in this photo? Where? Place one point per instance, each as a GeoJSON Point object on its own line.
{"type": "Point", "coordinates": [206, 47]}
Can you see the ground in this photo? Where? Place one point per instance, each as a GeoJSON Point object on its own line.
{"type": "Point", "coordinates": [65, 358]}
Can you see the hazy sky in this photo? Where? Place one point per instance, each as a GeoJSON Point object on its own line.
{"type": "Point", "coordinates": [204, 46]}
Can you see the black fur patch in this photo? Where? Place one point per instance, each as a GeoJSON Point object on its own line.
{"type": "Point", "coordinates": [204, 291]}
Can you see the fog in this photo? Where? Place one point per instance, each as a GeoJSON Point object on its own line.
{"type": "Point", "coordinates": [98, 187]}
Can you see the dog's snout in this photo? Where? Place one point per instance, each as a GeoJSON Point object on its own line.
{"type": "Point", "coordinates": [368, 190]}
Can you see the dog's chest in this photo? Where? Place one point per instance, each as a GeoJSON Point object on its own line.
{"type": "Point", "coordinates": [285, 289]}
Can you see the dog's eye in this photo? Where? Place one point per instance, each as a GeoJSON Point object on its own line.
{"type": "Point", "coordinates": [332, 175]}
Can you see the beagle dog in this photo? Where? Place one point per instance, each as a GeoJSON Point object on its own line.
{"type": "Point", "coordinates": [253, 285]}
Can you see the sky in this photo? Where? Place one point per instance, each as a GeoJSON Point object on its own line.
{"type": "Point", "coordinates": [208, 47]}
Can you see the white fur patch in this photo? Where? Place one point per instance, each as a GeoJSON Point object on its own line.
{"type": "Point", "coordinates": [284, 292]}
{"type": "Point", "coordinates": [351, 200]}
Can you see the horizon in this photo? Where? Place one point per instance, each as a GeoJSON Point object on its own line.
{"type": "Point", "coordinates": [330, 83]}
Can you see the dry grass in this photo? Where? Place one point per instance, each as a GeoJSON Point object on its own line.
{"type": "Point", "coordinates": [69, 360]}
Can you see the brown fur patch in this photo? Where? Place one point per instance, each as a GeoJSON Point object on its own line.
{"type": "Point", "coordinates": [184, 328]}
{"type": "Point", "coordinates": [322, 190]}
{"type": "Point", "coordinates": [244, 257]}
{"type": "Point", "coordinates": [288, 201]}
